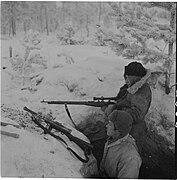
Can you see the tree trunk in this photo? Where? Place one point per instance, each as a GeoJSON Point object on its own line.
{"type": "Point", "coordinates": [46, 20]}
{"type": "Point", "coordinates": [10, 24]}
{"type": "Point", "coordinates": [40, 20]}
{"type": "Point", "coordinates": [24, 25]}
{"type": "Point", "coordinates": [87, 25]}
{"type": "Point", "coordinates": [12, 21]}
{"type": "Point", "coordinates": [81, 26]}
{"type": "Point", "coordinates": [13, 27]}
{"type": "Point", "coordinates": [87, 22]}
{"type": "Point", "coordinates": [170, 52]}
{"type": "Point", "coordinates": [100, 11]}
{"type": "Point", "coordinates": [167, 82]}
{"type": "Point", "coordinates": [27, 52]}
{"type": "Point", "coordinates": [63, 12]}
{"type": "Point", "coordinates": [10, 51]}
{"type": "Point", "coordinates": [77, 19]}
{"type": "Point", "coordinates": [38, 23]}
{"type": "Point", "coordinates": [4, 30]}
{"type": "Point", "coordinates": [56, 25]}
{"type": "Point", "coordinates": [28, 25]}
{"type": "Point", "coordinates": [172, 23]}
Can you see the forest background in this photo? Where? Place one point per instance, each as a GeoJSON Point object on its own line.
{"type": "Point", "coordinates": [79, 22]}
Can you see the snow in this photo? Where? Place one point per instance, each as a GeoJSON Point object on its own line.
{"type": "Point", "coordinates": [33, 156]}
{"type": "Point", "coordinates": [96, 71]}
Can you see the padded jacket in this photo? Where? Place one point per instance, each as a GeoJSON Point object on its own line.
{"type": "Point", "coordinates": [121, 159]}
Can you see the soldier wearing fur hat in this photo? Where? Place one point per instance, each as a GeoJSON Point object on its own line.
{"type": "Point", "coordinates": [134, 98]}
{"type": "Point", "coordinates": [120, 159]}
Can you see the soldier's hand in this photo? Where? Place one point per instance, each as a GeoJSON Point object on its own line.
{"type": "Point", "coordinates": [109, 109]}
{"type": "Point", "coordinates": [103, 108]}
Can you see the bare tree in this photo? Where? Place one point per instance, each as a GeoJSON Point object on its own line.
{"type": "Point", "coordinates": [9, 15]}
{"type": "Point", "coordinates": [46, 20]}
{"type": "Point", "coordinates": [87, 20]}
{"type": "Point", "coordinates": [99, 12]}
{"type": "Point", "coordinates": [63, 12]}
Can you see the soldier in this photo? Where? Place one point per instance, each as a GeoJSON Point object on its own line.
{"type": "Point", "coordinates": [134, 98]}
{"type": "Point", "coordinates": [121, 159]}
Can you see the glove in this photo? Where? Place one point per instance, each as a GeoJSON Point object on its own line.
{"type": "Point", "coordinates": [103, 108]}
{"type": "Point", "coordinates": [109, 110]}
{"type": "Point", "coordinates": [90, 168]}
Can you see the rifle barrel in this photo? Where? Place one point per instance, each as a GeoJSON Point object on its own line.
{"type": "Point", "coordinates": [29, 110]}
{"type": "Point", "coordinates": [87, 103]}
{"type": "Point", "coordinates": [65, 102]}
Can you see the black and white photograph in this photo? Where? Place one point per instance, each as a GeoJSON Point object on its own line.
{"type": "Point", "coordinates": [88, 89]}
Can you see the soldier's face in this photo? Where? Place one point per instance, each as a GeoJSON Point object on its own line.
{"type": "Point", "coordinates": [128, 80]}
{"type": "Point", "coordinates": [111, 131]}
{"type": "Point", "coordinates": [110, 128]}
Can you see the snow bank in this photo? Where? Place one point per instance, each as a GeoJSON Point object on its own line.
{"type": "Point", "coordinates": [31, 155]}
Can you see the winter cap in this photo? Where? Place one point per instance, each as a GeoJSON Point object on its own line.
{"type": "Point", "coordinates": [135, 69]}
{"type": "Point", "coordinates": [122, 121]}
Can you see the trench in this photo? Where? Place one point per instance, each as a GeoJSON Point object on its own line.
{"type": "Point", "coordinates": [158, 158]}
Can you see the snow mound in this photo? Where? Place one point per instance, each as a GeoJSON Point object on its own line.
{"type": "Point", "coordinates": [32, 155]}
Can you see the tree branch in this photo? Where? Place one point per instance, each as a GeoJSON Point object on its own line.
{"type": "Point", "coordinates": [164, 5]}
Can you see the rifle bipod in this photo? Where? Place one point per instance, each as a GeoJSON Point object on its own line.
{"type": "Point", "coordinates": [86, 147]}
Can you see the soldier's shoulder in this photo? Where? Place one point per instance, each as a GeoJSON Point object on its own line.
{"type": "Point", "coordinates": [145, 87]}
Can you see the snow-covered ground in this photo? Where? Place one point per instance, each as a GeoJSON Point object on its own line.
{"type": "Point", "coordinates": [96, 71]}
{"type": "Point", "coordinates": [31, 155]}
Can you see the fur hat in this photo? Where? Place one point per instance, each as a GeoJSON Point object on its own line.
{"type": "Point", "coordinates": [122, 121]}
{"type": "Point", "coordinates": [135, 69]}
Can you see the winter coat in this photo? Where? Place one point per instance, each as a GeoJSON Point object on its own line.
{"type": "Point", "coordinates": [136, 101]}
{"type": "Point", "coordinates": [121, 159]}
